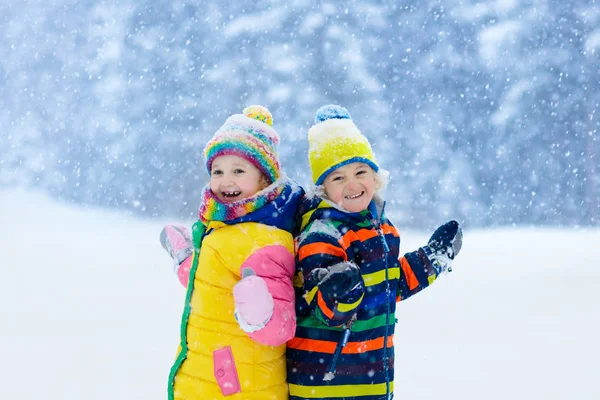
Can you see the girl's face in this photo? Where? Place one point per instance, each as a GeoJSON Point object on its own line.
{"type": "Point", "coordinates": [234, 178]}
{"type": "Point", "coordinates": [351, 186]}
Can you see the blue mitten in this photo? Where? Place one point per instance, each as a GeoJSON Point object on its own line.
{"type": "Point", "coordinates": [341, 282]}
{"type": "Point", "coordinates": [444, 245]}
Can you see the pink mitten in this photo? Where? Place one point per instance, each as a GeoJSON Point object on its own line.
{"type": "Point", "coordinates": [176, 240]}
{"type": "Point", "coordinates": [253, 302]}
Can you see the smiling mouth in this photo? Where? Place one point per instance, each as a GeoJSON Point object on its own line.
{"type": "Point", "coordinates": [354, 196]}
{"type": "Point", "coordinates": [231, 195]}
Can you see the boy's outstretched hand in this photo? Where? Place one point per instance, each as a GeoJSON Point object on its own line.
{"type": "Point", "coordinates": [444, 245]}
{"type": "Point", "coordinates": [447, 239]}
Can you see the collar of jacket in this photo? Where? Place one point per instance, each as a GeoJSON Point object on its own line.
{"type": "Point", "coordinates": [278, 211]}
{"type": "Point", "coordinates": [316, 207]}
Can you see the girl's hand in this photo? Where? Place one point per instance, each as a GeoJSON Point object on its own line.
{"type": "Point", "coordinates": [253, 302]}
{"type": "Point", "coordinates": [176, 240]}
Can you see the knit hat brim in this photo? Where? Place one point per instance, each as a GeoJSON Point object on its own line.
{"type": "Point", "coordinates": [334, 143]}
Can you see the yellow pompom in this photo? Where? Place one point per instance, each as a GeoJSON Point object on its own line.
{"type": "Point", "coordinates": [260, 113]}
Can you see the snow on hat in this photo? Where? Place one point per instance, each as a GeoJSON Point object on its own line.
{"type": "Point", "coordinates": [334, 141]}
{"type": "Point", "coordinates": [249, 135]}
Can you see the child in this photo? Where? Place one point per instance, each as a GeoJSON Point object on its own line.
{"type": "Point", "coordinates": [239, 307]}
{"type": "Point", "coordinates": [349, 272]}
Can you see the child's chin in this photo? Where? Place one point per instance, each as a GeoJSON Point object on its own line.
{"type": "Point", "coordinates": [357, 207]}
{"type": "Point", "coordinates": [229, 199]}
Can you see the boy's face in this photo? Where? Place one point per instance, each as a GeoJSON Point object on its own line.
{"type": "Point", "coordinates": [234, 178]}
{"type": "Point", "coordinates": [351, 186]}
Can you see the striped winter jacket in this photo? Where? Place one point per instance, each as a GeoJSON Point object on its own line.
{"type": "Point", "coordinates": [365, 368]}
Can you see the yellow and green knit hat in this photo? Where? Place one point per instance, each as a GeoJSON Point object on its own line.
{"type": "Point", "coordinates": [251, 136]}
{"type": "Point", "coordinates": [334, 141]}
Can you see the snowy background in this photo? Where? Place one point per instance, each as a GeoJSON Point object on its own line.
{"type": "Point", "coordinates": [90, 309]}
{"type": "Point", "coordinates": [483, 111]}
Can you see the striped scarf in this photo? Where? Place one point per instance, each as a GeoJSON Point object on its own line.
{"type": "Point", "coordinates": [212, 209]}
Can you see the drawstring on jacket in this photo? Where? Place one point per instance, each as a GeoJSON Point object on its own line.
{"type": "Point", "coordinates": [338, 349]}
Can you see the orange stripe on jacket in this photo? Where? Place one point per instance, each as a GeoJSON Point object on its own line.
{"type": "Point", "coordinates": [389, 229]}
{"type": "Point", "coordinates": [411, 279]}
{"type": "Point", "coordinates": [323, 306]}
{"type": "Point", "coordinates": [368, 345]}
{"type": "Point", "coordinates": [321, 248]}
{"type": "Point", "coordinates": [366, 234]}
{"type": "Point", "coordinates": [324, 346]}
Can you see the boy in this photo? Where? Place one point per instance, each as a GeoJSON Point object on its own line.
{"type": "Point", "coordinates": [349, 275]}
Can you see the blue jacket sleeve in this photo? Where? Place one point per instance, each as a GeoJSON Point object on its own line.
{"type": "Point", "coordinates": [333, 285]}
{"type": "Point", "coordinates": [416, 273]}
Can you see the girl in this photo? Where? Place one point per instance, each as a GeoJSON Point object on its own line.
{"type": "Point", "coordinates": [349, 274]}
{"type": "Point", "coordinates": [239, 307]}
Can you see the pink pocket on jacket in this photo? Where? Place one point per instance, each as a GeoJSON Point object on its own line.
{"type": "Point", "coordinates": [225, 371]}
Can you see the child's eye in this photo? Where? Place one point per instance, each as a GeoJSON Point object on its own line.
{"type": "Point", "coordinates": [239, 171]}
{"type": "Point", "coordinates": [337, 178]}
{"type": "Point", "coordinates": [361, 172]}
{"type": "Point", "coordinates": [217, 172]}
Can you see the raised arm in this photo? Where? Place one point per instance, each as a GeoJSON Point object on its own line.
{"type": "Point", "coordinates": [422, 267]}
{"type": "Point", "coordinates": [177, 241]}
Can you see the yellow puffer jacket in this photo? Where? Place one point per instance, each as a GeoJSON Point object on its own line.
{"type": "Point", "coordinates": [215, 356]}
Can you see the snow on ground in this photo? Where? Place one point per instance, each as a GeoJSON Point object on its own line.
{"type": "Point", "coordinates": [90, 309]}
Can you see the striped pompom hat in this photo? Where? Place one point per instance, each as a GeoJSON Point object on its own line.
{"type": "Point", "coordinates": [249, 135]}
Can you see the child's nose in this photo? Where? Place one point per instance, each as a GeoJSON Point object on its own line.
{"type": "Point", "coordinates": [227, 180]}
{"type": "Point", "coordinates": [352, 183]}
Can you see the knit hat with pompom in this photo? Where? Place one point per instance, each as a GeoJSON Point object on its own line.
{"type": "Point", "coordinates": [334, 141]}
{"type": "Point", "coordinates": [251, 136]}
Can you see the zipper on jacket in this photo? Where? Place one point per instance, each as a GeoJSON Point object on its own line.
{"type": "Point", "coordinates": [386, 250]}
